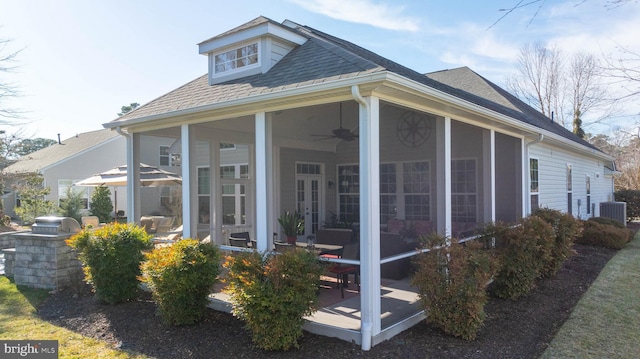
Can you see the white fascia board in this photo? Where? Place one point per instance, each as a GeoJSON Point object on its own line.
{"type": "Point", "coordinates": [218, 44]}
{"type": "Point", "coordinates": [381, 77]}
{"type": "Point", "coordinates": [251, 100]}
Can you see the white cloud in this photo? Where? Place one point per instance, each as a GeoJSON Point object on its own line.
{"type": "Point", "coordinates": [379, 15]}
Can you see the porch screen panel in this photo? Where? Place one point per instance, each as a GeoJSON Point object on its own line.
{"type": "Point", "coordinates": [349, 192]}
{"type": "Point", "coordinates": [416, 189]}
{"type": "Point", "coordinates": [233, 192]}
{"type": "Point", "coordinates": [388, 189]}
{"type": "Point", "coordinates": [464, 191]}
{"type": "Point", "coordinates": [204, 194]}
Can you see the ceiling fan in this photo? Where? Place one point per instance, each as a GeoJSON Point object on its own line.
{"type": "Point", "coordinates": [340, 132]}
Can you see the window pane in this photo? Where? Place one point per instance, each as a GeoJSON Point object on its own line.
{"type": "Point", "coordinates": [203, 209]}
{"type": "Point", "coordinates": [203, 181]}
{"type": "Point", "coordinates": [228, 210]}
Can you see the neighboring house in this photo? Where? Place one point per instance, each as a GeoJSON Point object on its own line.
{"type": "Point", "coordinates": [76, 158]}
{"type": "Point", "coordinates": [290, 118]}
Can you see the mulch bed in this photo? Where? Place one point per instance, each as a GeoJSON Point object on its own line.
{"type": "Point", "coordinates": [513, 329]}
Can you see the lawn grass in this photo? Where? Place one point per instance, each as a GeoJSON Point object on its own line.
{"type": "Point", "coordinates": [18, 321]}
{"type": "Point", "coordinates": [604, 323]}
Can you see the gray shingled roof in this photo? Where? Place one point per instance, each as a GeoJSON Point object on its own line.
{"type": "Point", "coordinates": [325, 58]}
{"type": "Point", "coordinates": [36, 161]}
{"type": "Point", "coordinates": [489, 95]}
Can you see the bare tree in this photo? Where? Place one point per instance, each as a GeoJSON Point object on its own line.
{"type": "Point", "coordinates": [562, 89]}
{"type": "Point", "coordinates": [625, 71]}
{"type": "Point", "coordinates": [538, 81]}
{"type": "Point", "coordinates": [7, 89]}
{"type": "Point", "coordinates": [539, 4]}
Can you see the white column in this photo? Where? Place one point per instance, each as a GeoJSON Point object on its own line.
{"type": "Point", "coordinates": [264, 180]}
{"type": "Point", "coordinates": [133, 178]}
{"type": "Point", "coordinates": [447, 176]}
{"type": "Point", "coordinates": [369, 125]}
{"type": "Point", "coordinates": [493, 174]}
{"type": "Point", "coordinates": [187, 219]}
{"type": "Point", "coordinates": [215, 205]}
{"type": "Point", "coordinates": [526, 179]}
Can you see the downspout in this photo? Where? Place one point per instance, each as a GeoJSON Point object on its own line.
{"type": "Point", "coordinates": [534, 142]}
{"type": "Point", "coordinates": [366, 325]}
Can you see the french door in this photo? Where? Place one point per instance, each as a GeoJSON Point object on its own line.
{"type": "Point", "coordinates": [309, 196]}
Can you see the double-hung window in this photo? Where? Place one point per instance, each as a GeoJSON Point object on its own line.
{"type": "Point", "coordinates": [534, 184]}
{"type": "Point", "coordinates": [464, 194]}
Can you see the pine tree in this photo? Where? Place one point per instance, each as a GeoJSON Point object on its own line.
{"type": "Point", "coordinates": [577, 124]}
{"type": "Point", "coordinates": [101, 205]}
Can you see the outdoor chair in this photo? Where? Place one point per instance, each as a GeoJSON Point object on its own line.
{"type": "Point", "coordinates": [90, 221]}
{"type": "Point", "coordinates": [240, 236]}
{"type": "Point", "coordinates": [342, 271]}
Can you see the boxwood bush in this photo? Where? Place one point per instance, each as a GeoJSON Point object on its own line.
{"type": "Point", "coordinates": [522, 253]}
{"type": "Point", "coordinates": [566, 230]}
{"type": "Point", "coordinates": [111, 258]}
{"type": "Point", "coordinates": [272, 293]}
{"type": "Point", "coordinates": [180, 277]}
{"type": "Point", "coordinates": [451, 282]}
{"type": "Point", "coordinates": [605, 233]}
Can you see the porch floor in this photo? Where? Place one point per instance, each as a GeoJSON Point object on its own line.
{"type": "Point", "coordinates": [340, 317]}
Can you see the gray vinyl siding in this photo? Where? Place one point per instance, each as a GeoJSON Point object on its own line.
{"type": "Point", "coordinates": [552, 176]}
{"type": "Point", "coordinates": [86, 164]}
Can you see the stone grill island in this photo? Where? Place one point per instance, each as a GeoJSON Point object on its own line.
{"type": "Point", "coordinates": [41, 258]}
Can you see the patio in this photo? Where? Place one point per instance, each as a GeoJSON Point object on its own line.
{"type": "Point", "coordinates": [341, 317]}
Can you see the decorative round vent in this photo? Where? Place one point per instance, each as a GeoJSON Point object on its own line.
{"type": "Point", "coordinates": [413, 129]}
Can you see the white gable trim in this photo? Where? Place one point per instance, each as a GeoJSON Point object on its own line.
{"type": "Point", "coordinates": [265, 29]}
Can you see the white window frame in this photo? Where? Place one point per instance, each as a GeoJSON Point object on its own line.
{"type": "Point", "coordinates": [534, 192]}
{"type": "Point", "coordinates": [569, 188]}
{"type": "Point", "coordinates": [237, 182]}
{"type": "Point", "coordinates": [164, 156]}
{"type": "Point", "coordinates": [454, 217]}
{"type": "Point", "coordinates": [587, 186]}
{"type": "Point", "coordinates": [214, 70]}
{"type": "Point", "coordinates": [399, 194]}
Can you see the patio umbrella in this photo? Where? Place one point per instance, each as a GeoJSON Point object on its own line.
{"type": "Point", "coordinates": [150, 176]}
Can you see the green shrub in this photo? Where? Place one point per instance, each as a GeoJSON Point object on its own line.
{"type": "Point", "coordinates": [566, 230]}
{"type": "Point", "coordinates": [632, 197]}
{"type": "Point", "coordinates": [451, 284]}
{"type": "Point", "coordinates": [522, 254]}
{"type": "Point", "coordinates": [272, 293]}
{"type": "Point", "coordinates": [609, 221]}
{"type": "Point", "coordinates": [71, 203]}
{"type": "Point", "coordinates": [111, 258]}
{"type": "Point", "coordinates": [180, 277]}
{"type": "Point", "coordinates": [101, 205]}
{"type": "Point", "coordinates": [604, 235]}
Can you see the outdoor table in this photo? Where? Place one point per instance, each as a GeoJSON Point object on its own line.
{"type": "Point", "coordinates": [322, 248]}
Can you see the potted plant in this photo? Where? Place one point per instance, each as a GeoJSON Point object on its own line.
{"type": "Point", "coordinates": [292, 225]}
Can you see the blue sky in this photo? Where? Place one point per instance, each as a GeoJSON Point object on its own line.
{"type": "Point", "coordinates": [82, 60]}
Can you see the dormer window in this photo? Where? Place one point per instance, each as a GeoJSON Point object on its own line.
{"type": "Point", "coordinates": [250, 49]}
{"type": "Point", "coordinates": [237, 58]}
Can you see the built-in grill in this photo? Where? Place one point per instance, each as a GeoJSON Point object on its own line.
{"type": "Point", "coordinates": [55, 225]}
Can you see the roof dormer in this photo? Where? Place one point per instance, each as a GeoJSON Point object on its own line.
{"type": "Point", "coordinates": [249, 49]}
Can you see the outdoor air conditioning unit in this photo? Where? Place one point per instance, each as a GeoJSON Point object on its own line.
{"type": "Point", "coordinates": [614, 210]}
